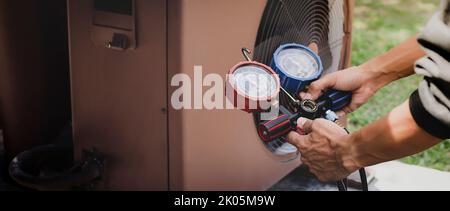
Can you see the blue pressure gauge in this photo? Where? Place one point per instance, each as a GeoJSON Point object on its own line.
{"type": "Point", "coordinates": [297, 65]}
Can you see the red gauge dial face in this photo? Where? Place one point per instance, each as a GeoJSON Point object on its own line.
{"type": "Point", "coordinates": [255, 82]}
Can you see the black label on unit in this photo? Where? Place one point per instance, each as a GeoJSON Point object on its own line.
{"type": "Point", "coordinates": [124, 7]}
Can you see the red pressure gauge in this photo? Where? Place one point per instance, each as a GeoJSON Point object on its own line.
{"type": "Point", "coordinates": [253, 86]}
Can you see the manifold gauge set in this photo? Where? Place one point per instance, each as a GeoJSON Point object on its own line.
{"type": "Point", "coordinates": [259, 89]}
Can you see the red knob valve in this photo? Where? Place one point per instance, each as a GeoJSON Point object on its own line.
{"type": "Point", "coordinates": [278, 126]}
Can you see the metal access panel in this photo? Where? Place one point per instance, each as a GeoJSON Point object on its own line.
{"type": "Point", "coordinates": [220, 149]}
{"type": "Point", "coordinates": [120, 91]}
{"type": "Point", "coordinates": [217, 149]}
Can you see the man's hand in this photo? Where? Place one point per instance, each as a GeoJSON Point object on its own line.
{"type": "Point", "coordinates": [326, 149]}
{"type": "Point", "coordinates": [330, 152]}
{"type": "Point", "coordinates": [365, 80]}
{"type": "Point", "coordinates": [358, 80]}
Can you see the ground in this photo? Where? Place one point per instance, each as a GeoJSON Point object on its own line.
{"type": "Point", "coordinates": [379, 26]}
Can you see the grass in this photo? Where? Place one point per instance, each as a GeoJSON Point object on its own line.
{"type": "Point", "coordinates": [379, 25]}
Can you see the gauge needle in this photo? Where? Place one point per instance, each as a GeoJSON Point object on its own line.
{"type": "Point", "coordinates": [253, 82]}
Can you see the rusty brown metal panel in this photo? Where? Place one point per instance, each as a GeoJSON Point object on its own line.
{"type": "Point", "coordinates": [120, 98]}
{"type": "Point", "coordinates": [219, 150]}
{"type": "Point", "coordinates": [34, 73]}
{"type": "Point", "coordinates": [216, 150]}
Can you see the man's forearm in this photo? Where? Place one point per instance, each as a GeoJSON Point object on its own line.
{"type": "Point", "coordinates": [396, 63]}
{"type": "Point", "coordinates": [392, 137]}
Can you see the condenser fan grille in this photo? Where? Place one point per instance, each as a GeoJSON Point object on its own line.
{"type": "Point", "coordinates": [304, 22]}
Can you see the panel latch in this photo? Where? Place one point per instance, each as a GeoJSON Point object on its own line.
{"type": "Point", "coordinates": [119, 42]}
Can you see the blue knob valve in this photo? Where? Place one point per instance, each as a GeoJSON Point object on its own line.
{"type": "Point", "coordinates": [332, 100]}
{"type": "Point", "coordinates": [338, 99]}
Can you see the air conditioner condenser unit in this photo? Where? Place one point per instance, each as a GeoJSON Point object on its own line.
{"type": "Point", "coordinates": [124, 54]}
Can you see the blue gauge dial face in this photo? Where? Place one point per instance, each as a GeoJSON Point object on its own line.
{"type": "Point", "coordinates": [297, 63]}
{"type": "Point", "coordinates": [255, 82]}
